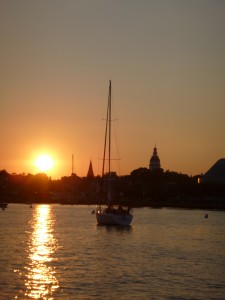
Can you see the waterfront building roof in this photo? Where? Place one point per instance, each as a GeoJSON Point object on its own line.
{"type": "Point", "coordinates": [216, 173]}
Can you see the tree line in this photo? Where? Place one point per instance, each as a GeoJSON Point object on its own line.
{"type": "Point", "coordinates": [141, 188]}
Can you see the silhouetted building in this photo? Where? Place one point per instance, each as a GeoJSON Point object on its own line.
{"type": "Point", "coordinates": [90, 172]}
{"type": "Point", "coordinates": [216, 173]}
{"type": "Point", "coordinates": [154, 161]}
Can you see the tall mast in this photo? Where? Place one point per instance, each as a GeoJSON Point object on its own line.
{"type": "Point", "coordinates": [107, 140]}
{"type": "Point", "coordinates": [107, 131]}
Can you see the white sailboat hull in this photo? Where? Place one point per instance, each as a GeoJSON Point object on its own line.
{"type": "Point", "coordinates": [107, 218]}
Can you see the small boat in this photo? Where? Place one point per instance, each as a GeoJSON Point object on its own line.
{"type": "Point", "coordinates": [3, 205]}
{"type": "Point", "coordinates": [111, 214]}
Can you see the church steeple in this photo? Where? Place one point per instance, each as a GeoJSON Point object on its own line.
{"type": "Point", "coordinates": [154, 161]}
{"type": "Point", "coordinates": [90, 172]}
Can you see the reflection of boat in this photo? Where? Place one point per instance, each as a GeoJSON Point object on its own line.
{"type": "Point", "coordinates": [111, 215]}
{"type": "Point", "coordinates": [3, 205]}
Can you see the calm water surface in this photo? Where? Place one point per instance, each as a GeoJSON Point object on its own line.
{"type": "Point", "coordinates": [58, 252]}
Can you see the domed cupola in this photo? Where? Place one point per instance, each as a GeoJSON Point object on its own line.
{"type": "Point", "coordinates": [154, 161]}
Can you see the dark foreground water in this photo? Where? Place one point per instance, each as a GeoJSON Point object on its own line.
{"type": "Point", "coordinates": [58, 252]}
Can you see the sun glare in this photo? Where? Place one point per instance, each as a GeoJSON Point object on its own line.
{"type": "Point", "coordinates": [44, 162]}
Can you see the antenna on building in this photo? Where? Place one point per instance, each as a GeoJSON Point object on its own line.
{"type": "Point", "coordinates": [72, 164]}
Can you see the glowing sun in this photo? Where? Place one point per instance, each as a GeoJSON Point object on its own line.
{"type": "Point", "coordinates": [44, 162]}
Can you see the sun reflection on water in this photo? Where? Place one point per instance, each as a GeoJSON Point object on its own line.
{"type": "Point", "coordinates": [41, 281]}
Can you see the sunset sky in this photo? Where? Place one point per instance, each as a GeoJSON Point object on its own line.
{"type": "Point", "coordinates": [166, 60]}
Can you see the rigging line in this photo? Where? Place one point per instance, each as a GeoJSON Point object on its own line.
{"type": "Point", "coordinates": [110, 120]}
{"type": "Point", "coordinates": [117, 148]}
{"type": "Point", "coordinates": [116, 134]}
{"type": "Point", "coordinates": [106, 134]}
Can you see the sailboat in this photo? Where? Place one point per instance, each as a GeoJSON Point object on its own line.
{"type": "Point", "coordinates": [3, 205]}
{"type": "Point", "coordinates": [111, 214]}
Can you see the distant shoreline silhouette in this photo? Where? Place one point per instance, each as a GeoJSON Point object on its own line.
{"type": "Point", "coordinates": [142, 188]}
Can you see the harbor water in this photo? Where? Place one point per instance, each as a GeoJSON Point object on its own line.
{"type": "Point", "coordinates": [58, 252]}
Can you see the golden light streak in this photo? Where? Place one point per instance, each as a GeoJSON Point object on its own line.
{"type": "Point", "coordinates": [41, 281]}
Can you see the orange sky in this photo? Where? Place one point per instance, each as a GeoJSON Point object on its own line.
{"type": "Point", "coordinates": [166, 60]}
